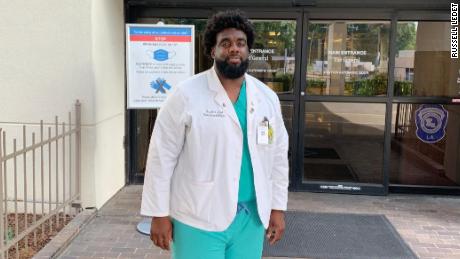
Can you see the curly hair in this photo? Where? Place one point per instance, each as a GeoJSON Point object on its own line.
{"type": "Point", "coordinates": [223, 20]}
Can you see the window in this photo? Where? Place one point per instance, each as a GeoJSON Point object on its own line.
{"type": "Point", "coordinates": [344, 142]}
{"type": "Point", "coordinates": [423, 66]}
{"type": "Point", "coordinates": [348, 58]}
{"type": "Point", "coordinates": [272, 58]}
{"type": "Point", "coordinates": [424, 144]}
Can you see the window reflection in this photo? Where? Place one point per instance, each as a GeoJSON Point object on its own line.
{"type": "Point", "coordinates": [287, 109]}
{"type": "Point", "coordinates": [424, 144]}
{"type": "Point", "coordinates": [272, 58]}
{"type": "Point", "coordinates": [348, 58]}
{"type": "Point", "coordinates": [423, 66]}
{"type": "Point", "coordinates": [343, 142]}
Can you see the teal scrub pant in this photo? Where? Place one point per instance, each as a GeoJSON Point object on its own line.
{"type": "Point", "coordinates": [243, 239]}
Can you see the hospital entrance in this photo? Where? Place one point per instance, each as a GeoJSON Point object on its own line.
{"type": "Point", "coordinates": [371, 102]}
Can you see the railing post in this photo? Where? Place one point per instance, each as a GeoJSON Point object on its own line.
{"type": "Point", "coordinates": [78, 148]}
{"type": "Point", "coordinates": [397, 121]}
{"type": "Point", "coordinates": [2, 230]}
{"type": "Point", "coordinates": [5, 189]}
{"type": "Point", "coordinates": [24, 145]}
{"type": "Point", "coordinates": [57, 169]}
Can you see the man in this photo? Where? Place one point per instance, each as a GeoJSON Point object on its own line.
{"type": "Point", "coordinates": [217, 169]}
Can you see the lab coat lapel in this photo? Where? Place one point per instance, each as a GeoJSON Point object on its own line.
{"type": "Point", "coordinates": [221, 97]}
{"type": "Point", "coordinates": [253, 100]}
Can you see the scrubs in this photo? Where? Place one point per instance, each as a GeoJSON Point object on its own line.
{"type": "Point", "coordinates": [243, 239]}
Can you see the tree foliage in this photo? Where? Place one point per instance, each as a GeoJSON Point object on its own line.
{"type": "Point", "coordinates": [406, 36]}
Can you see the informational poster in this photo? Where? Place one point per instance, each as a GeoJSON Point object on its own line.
{"type": "Point", "coordinates": [158, 58]}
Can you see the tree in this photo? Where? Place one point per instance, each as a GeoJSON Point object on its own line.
{"type": "Point", "coordinates": [406, 36]}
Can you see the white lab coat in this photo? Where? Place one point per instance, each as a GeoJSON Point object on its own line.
{"type": "Point", "coordinates": [194, 158]}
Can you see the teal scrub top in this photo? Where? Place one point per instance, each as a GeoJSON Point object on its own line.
{"type": "Point", "coordinates": [246, 190]}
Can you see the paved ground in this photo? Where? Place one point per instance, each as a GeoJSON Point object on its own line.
{"type": "Point", "coordinates": [429, 224]}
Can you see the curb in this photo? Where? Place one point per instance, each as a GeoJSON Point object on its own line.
{"type": "Point", "coordinates": [59, 243]}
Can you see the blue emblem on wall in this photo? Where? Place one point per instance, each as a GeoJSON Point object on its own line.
{"type": "Point", "coordinates": [431, 121]}
{"type": "Point", "coordinates": [160, 85]}
{"type": "Point", "coordinates": [160, 55]}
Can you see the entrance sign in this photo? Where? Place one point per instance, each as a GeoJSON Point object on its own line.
{"type": "Point", "coordinates": [431, 121]}
{"type": "Point", "coordinates": [158, 57]}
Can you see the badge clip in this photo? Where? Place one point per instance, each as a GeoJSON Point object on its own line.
{"type": "Point", "coordinates": [263, 131]}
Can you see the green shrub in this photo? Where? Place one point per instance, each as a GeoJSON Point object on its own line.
{"type": "Point", "coordinates": [403, 88]}
{"type": "Point", "coordinates": [285, 79]}
{"type": "Point", "coordinates": [369, 87]}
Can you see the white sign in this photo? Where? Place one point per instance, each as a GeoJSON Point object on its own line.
{"type": "Point", "coordinates": [454, 30]}
{"type": "Point", "coordinates": [158, 57]}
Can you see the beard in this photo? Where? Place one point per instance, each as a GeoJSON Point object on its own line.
{"type": "Point", "coordinates": [231, 71]}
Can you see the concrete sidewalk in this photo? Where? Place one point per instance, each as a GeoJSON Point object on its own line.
{"type": "Point", "coordinates": [430, 225]}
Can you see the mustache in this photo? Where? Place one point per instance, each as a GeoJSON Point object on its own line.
{"type": "Point", "coordinates": [227, 59]}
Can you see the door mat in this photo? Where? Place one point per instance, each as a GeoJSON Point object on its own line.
{"type": "Point", "coordinates": [323, 153]}
{"type": "Point", "coordinates": [329, 172]}
{"type": "Point", "coordinates": [327, 235]}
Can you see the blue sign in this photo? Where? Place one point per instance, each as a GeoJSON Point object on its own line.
{"type": "Point", "coordinates": [160, 55]}
{"type": "Point", "coordinates": [431, 121]}
{"type": "Point", "coordinates": [160, 85]}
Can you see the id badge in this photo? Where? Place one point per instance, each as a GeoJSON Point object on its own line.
{"type": "Point", "coordinates": [262, 132]}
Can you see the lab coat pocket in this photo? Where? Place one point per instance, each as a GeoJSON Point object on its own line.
{"type": "Point", "coordinates": [266, 155]}
{"type": "Point", "coordinates": [197, 197]}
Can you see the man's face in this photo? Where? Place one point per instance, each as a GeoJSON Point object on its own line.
{"type": "Point", "coordinates": [231, 53]}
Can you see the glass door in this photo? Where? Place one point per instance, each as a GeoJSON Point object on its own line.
{"type": "Point", "coordinates": [425, 128]}
{"type": "Point", "coordinates": [274, 61]}
{"type": "Point", "coordinates": [343, 106]}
